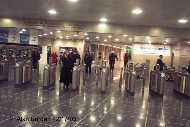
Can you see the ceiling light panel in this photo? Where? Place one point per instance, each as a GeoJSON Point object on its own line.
{"type": "Point", "coordinates": [103, 20]}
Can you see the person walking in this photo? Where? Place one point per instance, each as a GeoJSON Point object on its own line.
{"type": "Point", "coordinates": [126, 59]}
{"type": "Point", "coordinates": [88, 61]}
{"type": "Point", "coordinates": [160, 62]}
{"type": "Point", "coordinates": [112, 58]}
{"type": "Point", "coordinates": [66, 71]}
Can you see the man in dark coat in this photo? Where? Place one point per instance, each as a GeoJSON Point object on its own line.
{"type": "Point", "coordinates": [112, 59]}
{"type": "Point", "coordinates": [88, 61]}
{"type": "Point", "coordinates": [66, 71]}
{"type": "Point", "coordinates": [160, 62]}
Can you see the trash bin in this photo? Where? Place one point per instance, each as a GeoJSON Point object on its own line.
{"type": "Point", "coordinates": [157, 82]}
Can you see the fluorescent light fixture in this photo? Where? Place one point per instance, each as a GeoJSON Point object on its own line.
{"type": "Point", "coordinates": [137, 11]}
{"type": "Point", "coordinates": [40, 35]}
{"type": "Point", "coordinates": [51, 33]}
{"type": "Point", "coordinates": [97, 37]}
{"type": "Point", "coordinates": [74, 1]}
{"type": "Point", "coordinates": [183, 21]}
{"type": "Point", "coordinates": [103, 20]}
{"type": "Point", "coordinates": [52, 11]}
{"type": "Point", "coordinates": [58, 31]}
{"type": "Point", "coordinates": [109, 36]}
{"type": "Point", "coordinates": [87, 38]}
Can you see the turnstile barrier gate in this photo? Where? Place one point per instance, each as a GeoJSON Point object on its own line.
{"type": "Point", "coordinates": [182, 83]}
{"type": "Point", "coordinates": [157, 82]}
{"type": "Point", "coordinates": [49, 75]}
{"type": "Point", "coordinates": [4, 71]}
{"type": "Point", "coordinates": [130, 78]}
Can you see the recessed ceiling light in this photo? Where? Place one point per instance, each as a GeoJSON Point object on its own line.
{"type": "Point", "coordinates": [85, 34]}
{"type": "Point", "coordinates": [109, 36]}
{"type": "Point", "coordinates": [40, 35]}
{"type": "Point", "coordinates": [116, 39]}
{"type": "Point", "coordinates": [105, 40]}
{"type": "Point", "coordinates": [87, 38]}
{"type": "Point", "coordinates": [52, 11]}
{"type": "Point", "coordinates": [183, 21]}
{"type": "Point", "coordinates": [58, 31]}
{"type": "Point", "coordinates": [137, 11]}
{"type": "Point", "coordinates": [97, 37]}
{"type": "Point", "coordinates": [73, 1]}
{"type": "Point", "coordinates": [125, 35]}
{"type": "Point", "coordinates": [130, 39]}
{"type": "Point", "coordinates": [103, 20]}
{"type": "Point", "coordinates": [188, 42]}
{"type": "Point", "coordinates": [23, 30]}
{"type": "Point", "coordinates": [67, 36]}
{"type": "Point", "coordinates": [51, 33]}
{"type": "Point", "coordinates": [45, 34]}
{"type": "Point", "coordinates": [75, 35]}
{"type": "Point", "coordinates": [167, 40]}
{"type": "Point", "coordinates": [149, 41]}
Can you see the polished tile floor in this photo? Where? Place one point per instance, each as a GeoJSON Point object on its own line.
{"type": "Point", "coordinates": [88, 107]}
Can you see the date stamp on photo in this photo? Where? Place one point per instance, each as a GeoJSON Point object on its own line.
{"type": "Point", "coordinates": [46, 119]}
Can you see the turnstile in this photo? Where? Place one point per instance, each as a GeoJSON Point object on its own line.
{"type": "Point", "coordinates": [130, 78]}
{"type": "Point", "coordinates": [76, 77]}
{"type": "Point", "coordinates": [49, 75]}
{"type": "Point", "coordinates": [3, 71]}
{"type": "Point", "coordinates": [18, 73]}
{"type": "Point", "coordinates": [182, 83]}
{"type": "Point", "coordinates": [157, 82]}
{"type": "Point", "coordinates": [27, 72]}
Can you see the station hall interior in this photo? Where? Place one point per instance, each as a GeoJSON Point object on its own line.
{"type": "Point", "coordinates": [94, 63]}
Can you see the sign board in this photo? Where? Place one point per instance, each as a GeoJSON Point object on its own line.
{"type": "Point", "coordinates": [151, 50]}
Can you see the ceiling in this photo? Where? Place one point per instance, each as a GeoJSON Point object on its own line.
{"type": "Point", "coordinates": [156, 12]}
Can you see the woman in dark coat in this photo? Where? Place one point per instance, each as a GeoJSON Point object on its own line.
{"type": "Point", "coordinates": [66, 71]}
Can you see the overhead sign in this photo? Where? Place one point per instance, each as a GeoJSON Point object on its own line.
{"type": "Point", "coordinates": [151, 50]}
{"type": "Point", "coordinates": [3, 36]}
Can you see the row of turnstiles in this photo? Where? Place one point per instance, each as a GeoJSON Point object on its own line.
{"type": "Point", "coordinates": [19, 73]}
{"type": "Point", "coordinates": [22, 72]}
{"type": "Point", "coordinates": [157, 80]}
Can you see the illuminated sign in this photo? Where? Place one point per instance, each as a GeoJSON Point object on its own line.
{"type": "Point", "coordinates": [151, 50]}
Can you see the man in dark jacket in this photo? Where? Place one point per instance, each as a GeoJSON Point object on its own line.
{"type": "Point", "coordinates": [160, 62]}
{"type": "Point", "coordinates": [88, 61]}
{"type": "Point", "coordinates": [112, 58]}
